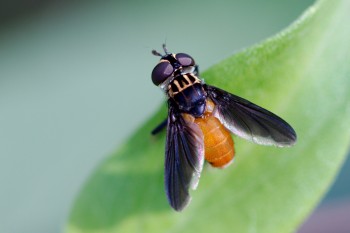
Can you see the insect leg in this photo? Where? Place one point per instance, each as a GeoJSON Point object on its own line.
{"type": "Point", "coordinates": [159, 128]}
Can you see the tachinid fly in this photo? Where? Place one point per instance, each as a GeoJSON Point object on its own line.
{"type": "Point", "coordinates": [200, 120]}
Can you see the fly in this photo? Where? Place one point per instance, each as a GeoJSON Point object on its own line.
{"type": "Point", "coordinates": [200, 121]}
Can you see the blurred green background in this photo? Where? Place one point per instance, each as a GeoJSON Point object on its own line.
{"type": "Point", "coordinates": [75, 83]}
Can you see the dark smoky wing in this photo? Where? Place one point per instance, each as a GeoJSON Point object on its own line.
{"type": "Point", "coordinates": [184, 157]}
{"type": "Point", "coordinates": [250, 121]}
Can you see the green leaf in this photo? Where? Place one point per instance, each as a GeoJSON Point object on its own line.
{"type": "Point", "coordinates": [301, 74]}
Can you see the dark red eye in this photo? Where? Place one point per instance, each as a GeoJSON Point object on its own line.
{"type": "Point", "coordinates": [161, 72]}
{"type": "Point", "coordinates": [184, 59]}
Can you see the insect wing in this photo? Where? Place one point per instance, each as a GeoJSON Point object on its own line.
{"type": "Point", "coordinates": [184, 158]}
{"type": "Point", "coordinates": [250, 121]}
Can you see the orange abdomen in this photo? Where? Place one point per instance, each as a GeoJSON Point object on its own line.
{"type": "Point", "coordinates": [218, 143]}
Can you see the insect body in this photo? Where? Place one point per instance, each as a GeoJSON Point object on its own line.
{"type": "Point", "coordinates": [218, 143]}
{"type": "Point", "coordinates": [200, 119]}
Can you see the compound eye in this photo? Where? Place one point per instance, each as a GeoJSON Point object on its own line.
{"type": "Point", "coordinates": [185, 59]}
{"type": "Point", "coordinates": [161, 72]}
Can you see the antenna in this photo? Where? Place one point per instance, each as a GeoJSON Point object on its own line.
{"type": "Point", "coordinates": [154, 52]}
{"type": "Point", "coordinates": [165, 49]}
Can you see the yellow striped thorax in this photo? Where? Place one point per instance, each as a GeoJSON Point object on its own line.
{"type": "Point", "coordinates": [181, 82]}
